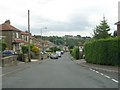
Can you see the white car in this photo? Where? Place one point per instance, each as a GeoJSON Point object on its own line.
{"type": "Point", "coordinates": [59, 53]}
{"type": "Point", "coordinates": [54, 56]}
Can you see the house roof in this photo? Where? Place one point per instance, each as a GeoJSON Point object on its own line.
{"type": "Point", "coordinates": [24, 33]}
{"type": "Point", "coordinates": [19, 41]}
{"type": "Point", "coordinates": [6, 26]}
{"type": "Point", "coordinates": [117, 23]}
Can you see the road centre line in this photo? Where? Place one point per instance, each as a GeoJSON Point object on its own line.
{"type": "Point", "coordinates": [115, 80]}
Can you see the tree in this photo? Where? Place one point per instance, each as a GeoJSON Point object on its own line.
{"type": "Point", "coordinates": [2, 46]}
{"type": "Point", "coordinates": [101, 31]}
{"type": "Point", "coordinates": [79, 36]}
{"type": "Point", "coordinates": [54, 49]}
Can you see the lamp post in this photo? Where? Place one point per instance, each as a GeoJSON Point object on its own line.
{"type": "Point", "coordinates": [42, 44]}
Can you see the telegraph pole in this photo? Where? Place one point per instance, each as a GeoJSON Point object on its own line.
{"type": "Point", "coordinates": [41, 46]}
{"type": "Point", "coordinates": [29, 56]}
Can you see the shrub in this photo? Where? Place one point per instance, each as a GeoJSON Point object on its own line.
{"type": "Point", "coordinates": [75, 53]}
{"type": "Point", "coordinates": [26, 47]}
{"type": "Point", "coordinates": [103, 51]}
{"type": "Point", "coordinates": [71, 51]}
{"type": "Point", "coordinates": [35, 49]}
{"type": "Point", "coordinates": [2, 46]}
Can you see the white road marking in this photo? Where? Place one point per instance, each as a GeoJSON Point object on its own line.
{"type": "Point", "coordinates": [115, 80]}
{"type": "Point", "coordinates": [101, 73]}
{"type": "Point", "coordinates": [90, 68]}
{"type": "Point", "coordinates": [106, 76]}
{"type": "Point", "coordinates": [97, 72]}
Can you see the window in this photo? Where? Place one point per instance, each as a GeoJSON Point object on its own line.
{"type": "Point", "coordinates": [13, 35]}
{"type": "Point", "coordinates": [17, 35]}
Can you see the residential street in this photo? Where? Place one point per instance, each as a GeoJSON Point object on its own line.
{"type": "Point", "coordinates": [58, 73]}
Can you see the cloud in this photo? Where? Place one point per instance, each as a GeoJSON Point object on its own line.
{"type": "Point", "coordinates": [60, 16]}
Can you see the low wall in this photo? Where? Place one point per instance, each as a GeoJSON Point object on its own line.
{"type": "Point", "coordinates": [8, 61]}
{"type": "Point", "coordinates": [45, 56]}
{"type": "Point", "coordinates": [42, 57]}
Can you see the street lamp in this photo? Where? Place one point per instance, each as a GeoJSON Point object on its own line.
{"type": "Point", "coordinates": [42, 43]}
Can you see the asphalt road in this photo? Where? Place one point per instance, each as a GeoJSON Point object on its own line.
{"type": "Point", "coordinates": [57, 73]}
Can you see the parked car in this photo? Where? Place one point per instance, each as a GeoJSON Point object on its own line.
{"type": "Point", "coordinates": [41, 53]}
{"type": "Point", "coordinates": [62, 52]}
{"type": "Point", "coordinates": [59, 53]}
{"type": "Point", "coordinates": [8, 53]}
{"type": "Point", "coordinates": [54, 56]}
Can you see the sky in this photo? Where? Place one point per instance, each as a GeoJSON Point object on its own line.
{"type": "Point", "coordinates": [61, 17]}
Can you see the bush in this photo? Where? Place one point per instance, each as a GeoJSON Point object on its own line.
{"type": "Point", "coordinates": [71, 51]}
{"type": "Point", "coordinates": [2, 46]}
{"type": "Point", "coordinates": [103, 51]}
{"type": "Point", "coordinates": [26, 47]}
{"type": "Point", "coordinates": [35, 49]}
{"type": "Point", "coordinates": [75, 53]}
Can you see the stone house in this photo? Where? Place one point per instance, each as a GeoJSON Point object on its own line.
{"type": "Point", "coordinates": [11, 35]}
{"type": "Point", "coordinates": [15, 38]}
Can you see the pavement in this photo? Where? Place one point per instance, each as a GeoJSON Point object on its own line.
{"type": "Point", "coordinates": [107, 68]}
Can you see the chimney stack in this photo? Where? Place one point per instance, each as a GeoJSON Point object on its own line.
{"type": "Point", "coordinates": [7, 21]}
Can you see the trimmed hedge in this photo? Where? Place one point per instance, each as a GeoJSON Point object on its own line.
{"type": "Point", "coordinates": [103, 51]}
{"type": "Point", "coordinates": [75, 53]}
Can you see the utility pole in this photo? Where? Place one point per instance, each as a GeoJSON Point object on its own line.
{"type": "Point", "coordinates": [29, 56]}
{"type": "Point", "coordinates": [41, 46]}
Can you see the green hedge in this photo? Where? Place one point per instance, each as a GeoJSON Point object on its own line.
{"type": "Point", "coordinates": [75, 53]}
{"type": "Point", "coordinates": [25, 48]}
{"type": "Point", "coordinates": [103, 51]}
